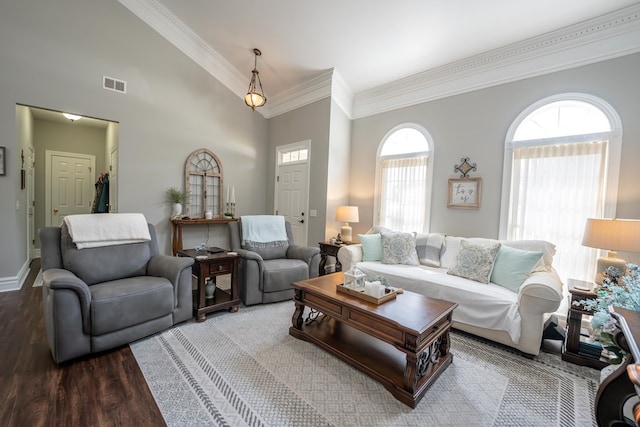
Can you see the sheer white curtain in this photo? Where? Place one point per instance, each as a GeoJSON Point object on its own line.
{"type": "Point", "coordinates": [403, 193]}
{"type": "Point", "coordinates": [554, 188]}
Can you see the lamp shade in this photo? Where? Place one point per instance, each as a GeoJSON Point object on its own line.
{"type": "Point", "coordinates": [612, 234]}
{"type": "Point", "coordinates": [347, 214]}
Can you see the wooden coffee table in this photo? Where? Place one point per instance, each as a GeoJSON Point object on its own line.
{"type": "Point", "coordinates": [402, 343]}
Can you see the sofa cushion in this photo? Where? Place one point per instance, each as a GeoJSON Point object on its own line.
{"type": "Point", "coordinates": [512, 267]}
{"type": "Point", "coordinates": [452, 247]}
{"type": "Point", "coordinates": [371, 246]}
{"type": "Point", "coordinates": [475, 261]}
{"type": "Point", "coordinates": [429, 246]}
{"type": "Point", "coordinates": [126, 302]}
{"type": "Point", "coordinates": [548, 251]}
{"type": "Point", "coordinates": [399, 248]}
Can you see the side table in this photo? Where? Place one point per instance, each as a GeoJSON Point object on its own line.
{"type": "Point", "coordinates": [329, 249]}
{"type": "Point", "coordinates": [573, 349]}
{"type": "Point", "coordinates": [213, 265]}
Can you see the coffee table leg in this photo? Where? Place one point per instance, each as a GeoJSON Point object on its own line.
{"type": "Point", "coordinates": [297, 320]}
{"type": "Point", "coordinates": [423, 363]}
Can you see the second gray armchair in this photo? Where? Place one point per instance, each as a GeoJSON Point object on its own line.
{"type": "Point", "coordinates": [266, 276]}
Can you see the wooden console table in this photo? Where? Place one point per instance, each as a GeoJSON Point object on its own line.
{"type": "Point", "coordinates": [177, 223]}
{"type": "Point", "coordinates": [329, 249]}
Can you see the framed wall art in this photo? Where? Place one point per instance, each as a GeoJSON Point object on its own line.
{"type": "Point", "coordinates": [3, 161]}
{"type": "Point", "coordinates": [465, 193]}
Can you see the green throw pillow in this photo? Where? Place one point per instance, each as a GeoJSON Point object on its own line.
{"type": "Point", "coordinates": [513, 266]}
{"type": "Point", "coordinates": [371, 246]}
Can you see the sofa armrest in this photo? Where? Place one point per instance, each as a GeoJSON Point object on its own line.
{"type": "Point", "coordinates": [541, 292]}
{"type": "Point", "coordinates": [350, 255]}
{"type": "Point", "coordinates": [168, 267]}
{"type": "Point", "coordinates": [58, 279]}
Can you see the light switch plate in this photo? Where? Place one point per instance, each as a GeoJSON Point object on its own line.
{"type": "Point", "coordinates": [313, 213]}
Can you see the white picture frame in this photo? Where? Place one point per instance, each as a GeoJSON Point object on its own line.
{"type": "Point", "coordinates": [464, 193]}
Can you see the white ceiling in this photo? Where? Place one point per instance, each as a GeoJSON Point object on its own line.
{"type": "Point", "coordinates": [369, 43]}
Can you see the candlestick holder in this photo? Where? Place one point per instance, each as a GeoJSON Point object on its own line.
{"type": "Point", "coordinates": [229, 210]}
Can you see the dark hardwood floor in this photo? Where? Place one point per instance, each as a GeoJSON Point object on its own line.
{"type": "Point", "coordinates": [100, 390]}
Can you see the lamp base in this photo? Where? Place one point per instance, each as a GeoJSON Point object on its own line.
{"type": "Point", "coordinates": [345, 233]}
{"type": "Point", "coordinates": [611, 260]}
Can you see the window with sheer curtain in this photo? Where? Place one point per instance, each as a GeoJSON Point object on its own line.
{"type": "Point", "coordinates": [403, 186]}
{"type": "Point", "coordinates": [559, 159]}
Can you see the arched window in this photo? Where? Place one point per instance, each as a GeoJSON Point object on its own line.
{"type": "Point", "coordinates": [562, 156]}
{"type": "Point", "coordinates": [403, 179]}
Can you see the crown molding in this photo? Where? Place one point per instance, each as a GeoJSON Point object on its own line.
{"type": "Point", "coordinates": [608, 36]}
{"type": "Point", "coordinates": [181, 36]}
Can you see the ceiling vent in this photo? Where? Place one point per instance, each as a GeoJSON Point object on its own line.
{"type": "Point", "coordinates": [115, 85]}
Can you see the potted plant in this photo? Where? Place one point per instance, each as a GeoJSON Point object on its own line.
{"type": "Point", "coordinates": [176, 198]}
{"type": "Point", "coordinates": [615, 291]}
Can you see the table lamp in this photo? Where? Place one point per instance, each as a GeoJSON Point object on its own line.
{"type": "Point", "coordinates": [347, 214]}
{"type": "Point", "coordinates": [613, 235]}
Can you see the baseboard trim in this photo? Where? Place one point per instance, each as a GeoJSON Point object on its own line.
{"type": "Point", "coordinates": [14, 283]}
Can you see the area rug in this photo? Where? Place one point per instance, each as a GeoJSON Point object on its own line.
{"type": "Point", "coordinates": [244, 368]}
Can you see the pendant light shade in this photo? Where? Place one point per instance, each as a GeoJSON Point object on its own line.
{"type": "Point", "coordinates": [255, 95]}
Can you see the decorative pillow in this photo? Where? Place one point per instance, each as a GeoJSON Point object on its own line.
{"type": "Point", "coordinates": [475, 261]}
{"type": "Point", "coordinates": [513, 266]}
{"type": "Point", "coordinates": [548, 251]}
{"type": "Point", "coordinates": [399, 248]}
{"type": "Point", "coordinates": [371, 246]}
{"type": "Point", "coordinates": [428, 247]}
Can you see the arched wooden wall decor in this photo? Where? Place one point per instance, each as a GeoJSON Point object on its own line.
{"type": "Point", "coordinates": [203, 180]}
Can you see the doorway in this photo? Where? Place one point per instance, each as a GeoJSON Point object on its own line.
{"type": "Point", "coordinates": [49, 130]}
{"type": "Point", "coordinates": [292, 187]}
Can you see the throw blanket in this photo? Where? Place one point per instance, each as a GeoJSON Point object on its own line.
{"type": "Point", "coordinates": [263, 231]}
{"type": "Point", "coordinates": [90, 231]}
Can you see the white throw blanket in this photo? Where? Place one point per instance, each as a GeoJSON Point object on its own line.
{"type": "Point", "coordinates": [263, 229]}
{"type": "Point", "coordinates": [108, 229]}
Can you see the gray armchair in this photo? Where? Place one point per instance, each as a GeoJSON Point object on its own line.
{"type": "Point", "coordinates": [99, 298]}
{"type": "Point", "coordinates": [266, 275]}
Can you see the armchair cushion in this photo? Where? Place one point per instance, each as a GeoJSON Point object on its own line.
{"type": "Point", "coordinates": [278, 274]}
{"type": "Point", "coordinates": [125, 302]}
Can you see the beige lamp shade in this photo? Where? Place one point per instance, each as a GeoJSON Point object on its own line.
{"type": "Point", "coordinates": [613, 235]}
{"type": "Point", "coordinates": [347, 214]}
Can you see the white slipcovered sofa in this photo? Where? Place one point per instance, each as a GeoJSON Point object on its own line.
{"type": "Point", "coordinates": [510, 313]}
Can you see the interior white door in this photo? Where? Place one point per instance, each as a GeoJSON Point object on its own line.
{"type": "Point", "coordinates": [70, 188]}
{"type": "Point", "coordinates": [292, 188]}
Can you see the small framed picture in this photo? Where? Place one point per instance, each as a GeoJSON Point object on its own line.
{"type": "Point", "coordinates": [464, 193]}
{"type": "Point", "coordinates": [3, 161]}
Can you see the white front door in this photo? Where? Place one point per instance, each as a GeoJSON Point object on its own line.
{"type": "Point", "coordinates": [69, 185]}
{"type": "Point", "coordinates": [292, 190]}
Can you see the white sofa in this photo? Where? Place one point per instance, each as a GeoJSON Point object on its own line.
{"type": "Point", "coordinates": [515, 319]}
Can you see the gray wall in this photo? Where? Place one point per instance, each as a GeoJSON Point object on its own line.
{"type": "Point", "coordinates": [475, 125]}
{"type": "Point", "coordinates": [309, 122]}
{"type": "Point", "coordinates": [54, 55]}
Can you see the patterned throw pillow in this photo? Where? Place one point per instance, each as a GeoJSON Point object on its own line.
{"type": "Point", "coordinates": [399, 248]}
{"type": "Point", "coordinates": [475, 261]}
{"type": "Point", "coordinates": [429, 247]}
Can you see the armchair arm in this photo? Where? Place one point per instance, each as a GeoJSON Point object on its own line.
{"type": "Point", "coordinates": [59, 279]}
{"type": "Point", "coordinates": [168, 267]}
{"type": "Point", "coordinates": [308, 254]}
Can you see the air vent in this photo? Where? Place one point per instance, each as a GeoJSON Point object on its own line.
{"type": "Point", "coordinates": [115, 85]}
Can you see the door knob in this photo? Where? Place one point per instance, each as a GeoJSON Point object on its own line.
{"type": "Point", "coordinates": [301, 221]}
{"type": "Point", "coordinates": [55, 210]}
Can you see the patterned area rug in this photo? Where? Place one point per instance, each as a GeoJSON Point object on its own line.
{"type": "Point", "coordinates": [244, 368]}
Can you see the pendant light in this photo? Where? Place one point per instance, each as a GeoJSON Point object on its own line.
{"type": "Point", "coordinates": [254, 97]}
